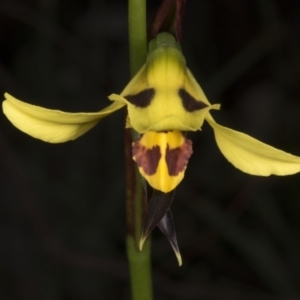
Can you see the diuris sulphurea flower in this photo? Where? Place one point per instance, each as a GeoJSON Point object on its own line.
{"type": "Point", "coordinates": [163, 101]}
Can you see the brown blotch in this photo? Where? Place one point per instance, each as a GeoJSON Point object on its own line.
{"type": "Point", "coordinates": [178, 158]}
{"type": "Point", "coordinates": [142, 99]}
{"type": "Point", "coordinates": [189, 103]}
{"type": "Point", "coordinates": [147, 159]}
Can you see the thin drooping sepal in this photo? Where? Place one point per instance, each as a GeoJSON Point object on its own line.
{"type": "Point", "coordinates": [158, 205]}
{"type": "Point", "coordinates": [166, 224]}
{"type": "Point", "coordinates": [167, 227]}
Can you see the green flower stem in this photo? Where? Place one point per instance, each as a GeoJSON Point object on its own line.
{"type": "Point", "coordinates": [139, 261]}
{"type": "Point", "coordinates": [137, 34]}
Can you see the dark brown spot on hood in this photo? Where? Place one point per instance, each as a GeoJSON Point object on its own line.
{"type": "Point", "coordinates": [189, 103]}
{"type": "Point", "coordinates": [142, 99]}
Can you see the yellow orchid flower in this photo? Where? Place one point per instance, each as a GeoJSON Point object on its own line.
{"type": "Point", "coordinates": [163, 101]}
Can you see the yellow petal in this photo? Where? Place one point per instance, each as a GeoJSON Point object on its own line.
{"type": "Point", "coordinates": [52, 126]}
{"type": "Point", "coordinates": [252, 156]}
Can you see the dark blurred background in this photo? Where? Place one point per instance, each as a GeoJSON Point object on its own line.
{"type": "Point", "coordinates": [62, 208]}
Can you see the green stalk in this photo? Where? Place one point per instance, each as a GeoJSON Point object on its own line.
{"type": "Point", "coordinates": [137, 34]}
{"type": "Point", "coordinates": [139, 261]}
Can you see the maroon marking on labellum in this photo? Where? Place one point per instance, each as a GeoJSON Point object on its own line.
{"type": "Point", "coordinates": [189, 102]}
{"type": "Point", "coordinates": [178, 158]}
{"type": "Point", "coordinates": [147, 159]}
{"type": "Point", "coordinates": [142, 99]}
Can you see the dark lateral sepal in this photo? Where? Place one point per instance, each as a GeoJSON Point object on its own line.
{"type": "Point", "coordinates": [166, 225]}
{"type": "Point", "coordinates": [158, 205]}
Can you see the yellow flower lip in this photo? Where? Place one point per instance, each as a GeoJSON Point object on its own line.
{"type": "Point", "coordinates": [162, 158]}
